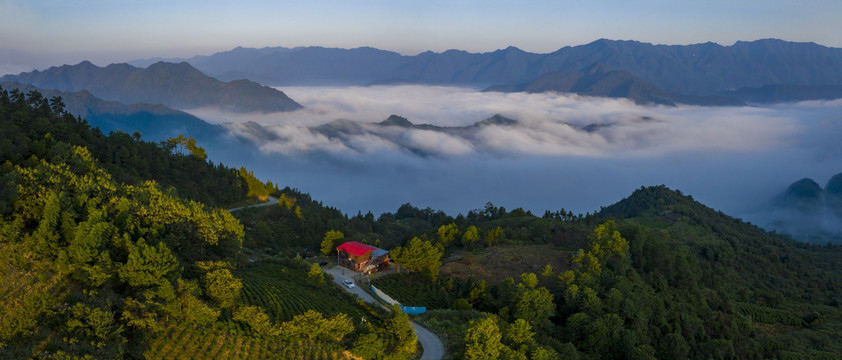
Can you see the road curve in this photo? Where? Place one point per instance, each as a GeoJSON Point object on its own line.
{"type": "Point", "coordinates": [271, 201]}
{"type": "Point", "coordinates": [433, 347]}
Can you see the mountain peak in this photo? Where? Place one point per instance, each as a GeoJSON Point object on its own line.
{"type": "Point", "coordinates": [804, 194]}
{"type": "Point", "coordinates": [600, 43]}
{"type": "Point", "coordinates": [650, 200]}
{"type": "Point", "coordinates": [85, 63]}
{"type": "Point", "coordinates": [497, 119]}
{"type": "Point", "coordinates": [511, 49]}
{"type": "Point", "coordinates": [834, 185]}
{"type": "Point", "coordinates": [805, 188]}
{"type": "Point", "coordinates": [396, 120]}
{"type": "Point", "coordinates": [171, 66]}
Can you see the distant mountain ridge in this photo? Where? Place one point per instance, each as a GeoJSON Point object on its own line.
{"type": "Point", "coordinates": [398, 133]}
{"type": "Point", "coordinates": [341, 129]}
{"type": "Point", "coordinates": [697, 69]}
{"type": "Point", "coordinates": [598, 80]}
{"type": "Point", "coordinates": [154, 121]}
{"type": "Point", "coordinates": [175, 85]}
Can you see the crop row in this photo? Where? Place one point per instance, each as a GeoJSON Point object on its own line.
{"type": "Point", "coordinates": [285, 292]}
{"type": "Point", "coordinates": [769, 315]}
{"type": "Point", "coordinates": [190, 342]}
{"type": "Point", "coordinates": [412, 292]}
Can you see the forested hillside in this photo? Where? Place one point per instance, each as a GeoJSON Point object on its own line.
{"type": "Point", "coordinates": [656, 275]}
{"type": "Point", "coordinates": [32, 124]}
{"type": "Point", "coordinates": [662, 277]}
{"type": "Point", "coordinates": [102, 257]}
{"type": "Point", "coordinates": [92, 264]}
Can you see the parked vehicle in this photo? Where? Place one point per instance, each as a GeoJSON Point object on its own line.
{"type": "Point", "coordinates": [322, 263]}
{"type": "Point", "coordinates": [348, 283]}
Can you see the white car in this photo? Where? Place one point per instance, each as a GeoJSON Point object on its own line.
{"type": "Point", "coordinates": [348, 283]}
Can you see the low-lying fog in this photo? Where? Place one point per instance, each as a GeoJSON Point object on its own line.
{"type": "Point", "coordinates": [735, 159]}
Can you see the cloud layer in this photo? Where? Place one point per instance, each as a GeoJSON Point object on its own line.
{"type": "Point", "coordinates": [549, 124]}
{"type": "Point", "coordinates": [569, 152]}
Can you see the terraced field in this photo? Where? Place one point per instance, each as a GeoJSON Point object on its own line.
{"type": "Point", "coordinates": [283, 292]}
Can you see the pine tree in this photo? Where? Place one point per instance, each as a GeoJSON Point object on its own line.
{"type": "Point", "coordinates": [330, 240]}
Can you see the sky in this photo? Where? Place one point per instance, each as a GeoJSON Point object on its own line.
{"type": "Point", "coordinates": [42, 33]}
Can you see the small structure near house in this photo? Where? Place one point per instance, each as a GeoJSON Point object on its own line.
{"type": "Point", "coordinates": [361, 257]}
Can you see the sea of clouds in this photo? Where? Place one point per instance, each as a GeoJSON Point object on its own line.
{"type": "Point", "coordinates": [735, 159]}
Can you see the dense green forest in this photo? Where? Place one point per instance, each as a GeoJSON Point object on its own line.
{"type": "Point", "coordinates": [657, 275]}
{"type": "Point", "coordinates": [114, 247]}
{"type": "Point", "coordinates": [662, 276]}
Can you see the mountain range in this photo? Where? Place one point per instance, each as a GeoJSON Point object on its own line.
{"type": "Point", "coordinates": [397, 132]}
{"type": "Point", "coordinates": [762, 71]}
{"type": "Point", "coordinates": [599, 80]}
{"type": "Point", "coordinates": [698, 69]}
{"type": "Point", "coordinates": [176, 85]}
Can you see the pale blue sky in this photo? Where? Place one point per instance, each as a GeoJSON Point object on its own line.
{"type": "Point", "coordinates": [39, 33]}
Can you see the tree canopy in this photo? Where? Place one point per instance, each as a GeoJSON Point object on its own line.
{"type": "Point", "coordinates": [421, 256]}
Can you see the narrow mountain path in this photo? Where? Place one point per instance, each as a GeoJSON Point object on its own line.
{"type": "Point", "coordinates": [432, 346]}
{"type": "Point", "coordinates": [271, 201]}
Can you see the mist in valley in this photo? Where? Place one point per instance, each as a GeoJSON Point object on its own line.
{"type": "Point", "coordinates": [564, 151]}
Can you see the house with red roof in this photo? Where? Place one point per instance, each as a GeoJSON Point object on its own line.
{"type": "Point", "coordinates": [362, 257]}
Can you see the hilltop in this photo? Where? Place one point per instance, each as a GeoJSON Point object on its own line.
{"type": "Point", "coordinates": [731, 289]}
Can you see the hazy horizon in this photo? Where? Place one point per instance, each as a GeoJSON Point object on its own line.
{"type": "Point", "coordinates": [36, 35]}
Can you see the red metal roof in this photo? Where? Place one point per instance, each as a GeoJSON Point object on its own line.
{"type": "Point", "coordinates": [356, 248]}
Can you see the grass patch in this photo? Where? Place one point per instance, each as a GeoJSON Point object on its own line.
{"type": "Point", "coordinates": [499, 262]}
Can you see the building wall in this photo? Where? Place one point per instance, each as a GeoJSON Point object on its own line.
{"type": "Point", "coordinates": [342, 258]}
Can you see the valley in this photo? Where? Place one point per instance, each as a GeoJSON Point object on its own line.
{"type": "Point", "coordinates": [612, 200]}
{"type": "Point", "coordinates": [551, 277]}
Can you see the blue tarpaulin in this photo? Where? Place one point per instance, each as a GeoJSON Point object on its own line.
{"type": "Point", "coordinates": [414, 310]}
